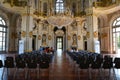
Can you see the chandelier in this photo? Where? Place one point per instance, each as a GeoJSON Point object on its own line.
{"type": "Point", "coordinates": [60, 19]}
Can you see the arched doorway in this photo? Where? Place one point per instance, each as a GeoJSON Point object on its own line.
{"type": "Point", "coordinates": [59, 42]}
{"type": "Point", "coordinates": [60, 38]}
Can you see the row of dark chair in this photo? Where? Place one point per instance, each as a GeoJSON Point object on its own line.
{"type": "Point", "coordinates": [27, 61]}
{"type": "Point", "coordinates": [89, 60]}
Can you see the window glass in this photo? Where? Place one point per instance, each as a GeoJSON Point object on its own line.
{"type": "Point", "coordinates": [114, 23]}
{"type": "Point", "coordinates": [1, 28]}
{"type": "Point", "coordinates": [3, 22]}
{"type": "Point", "coordinates": [4, 29]}
{"type": "Point", "coordinates": [0, 39]}
{"type": "Point", "coordinates": [2, 34]}
{"type": "Point", "coordinates": [118, 19]}
{"type": "Point", "coordinates": [118, 23]}
{"type": "Point", "coordinates": [59, 6]}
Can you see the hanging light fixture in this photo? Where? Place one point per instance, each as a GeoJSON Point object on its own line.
{"type": "Point", "coordinates": [60, 19]}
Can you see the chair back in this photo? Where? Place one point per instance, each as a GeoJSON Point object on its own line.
{"type": "Point", "coordinates": [117, 62]}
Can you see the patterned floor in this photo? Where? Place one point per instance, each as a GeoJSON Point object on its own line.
{"type": "Point", "coordinates": [61, 68]}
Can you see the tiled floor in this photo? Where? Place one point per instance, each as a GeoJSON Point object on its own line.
{"type": "Point", "coordinates": [62, 68]}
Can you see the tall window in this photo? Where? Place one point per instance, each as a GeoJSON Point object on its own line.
{"type": "Point", "coordinates": [116, 34]}
{"type": "Point", "coordinates": [59, 6]}
{"type": "Point", "coordinates": [3, 37]}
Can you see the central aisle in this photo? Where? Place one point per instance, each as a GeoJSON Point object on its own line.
{"type": "Point", "coordinates": [61, 68]}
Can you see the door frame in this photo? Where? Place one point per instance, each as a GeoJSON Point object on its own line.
{"type": "Point", "coordinates": [61, 41]}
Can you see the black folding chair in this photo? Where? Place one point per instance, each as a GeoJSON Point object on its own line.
{"type": "Point", "coordinates": [1, 65]}
{"type": "Point", "coordinates": [20, 64]}
{"type": "Point", "coordinates": [116, 66]}
{"type": "Point", "coordinates": [32, 66]}
{"type": "Point", "coordinates": [8, 64]}
{"type": "Point", "coordinates": [107, 65]}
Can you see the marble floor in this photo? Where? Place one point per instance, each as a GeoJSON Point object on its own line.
{"type": "Point", "coordinates": [61, 68]}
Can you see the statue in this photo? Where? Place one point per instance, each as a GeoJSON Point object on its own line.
{"type": "Point", "coordinates": [74, 40]}
{"type": "Point", "coordinates": [44, 40]}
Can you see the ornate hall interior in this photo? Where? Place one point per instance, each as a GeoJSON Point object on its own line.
{"type": "Point", "coordinates": [66, 26]}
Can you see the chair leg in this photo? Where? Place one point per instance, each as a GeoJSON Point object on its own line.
{"type": "Point", "coordinates": [103, 74]}
{"type": "Point", "coordinates": [15, 74]}
{"type": "Point", "coordinates": [3, 73]}
{"type": "Point", "coordinates": [79, 73]}
{"type": "Point", "coordinates": [89, 74]}
{"type": "Point", "coordinates": [7, 72]}
{"type": "Point", "coordinates": [38, 72]}
{"type": "Point", "coordinates": [99, 74]}
{"type": "Point", "coordinates": [26, 73]}
{"type": "Point", "coordinates": [114, 74]}
{"type": "Point", "coordinates": [29, 71]}
{"type": "Point", "coordinates": [109, 76]}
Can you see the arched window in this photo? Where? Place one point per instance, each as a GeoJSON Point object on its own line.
{"type": "Point", "coordinates": [59, 6]}
{"type": "Point", "coordinates": [116, 34]}
{"type": "Point", "coordinates": [3, 36]}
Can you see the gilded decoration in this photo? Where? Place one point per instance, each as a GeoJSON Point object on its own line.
{"type": "Point", "coordinates": [69, 38]}
{"type": "Point", "coordinates": [23, 33]}
{"type": "Point", "coordinates": [49, 37]}
{"type": "Point", "coordinates": [30, 34]}
{"type": "Point", "coordinates": [79, 37]}
{"type": "Point", "coordinates": [95, 34]}
{"type": "Point", "coordinates": [14, 35]}
{"type": "Point", "coordinates": [39, 37]}
{"type": "Point", "coordinates": [103, 35]}
{"type": "Point", "coordinates": [88, 35]}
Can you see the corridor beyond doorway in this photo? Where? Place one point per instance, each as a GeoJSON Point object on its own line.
{"type": "Point", "coordinates": [59, 44]}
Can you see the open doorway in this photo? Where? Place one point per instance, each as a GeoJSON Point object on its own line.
{"type": "Point", "coordinates": [59, 44]}
{"type": "Point", "coordinates": [34, 42]}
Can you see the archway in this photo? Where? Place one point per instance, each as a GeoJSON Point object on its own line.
{"type": "Point", "coordinates": [60, 38]}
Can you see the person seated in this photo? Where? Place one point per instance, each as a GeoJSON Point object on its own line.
{"type": "Point", "coordinates": [41, 48]}
{"type": "Point", "coordinates": [71, 50]}
{"type": "Point", "coordinates": [47, 49]}
{"type": "Point", "coordinates": [52, 50]}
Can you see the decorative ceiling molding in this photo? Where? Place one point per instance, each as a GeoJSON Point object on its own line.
{"type": "Point", "coordinates": [59, 33]}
